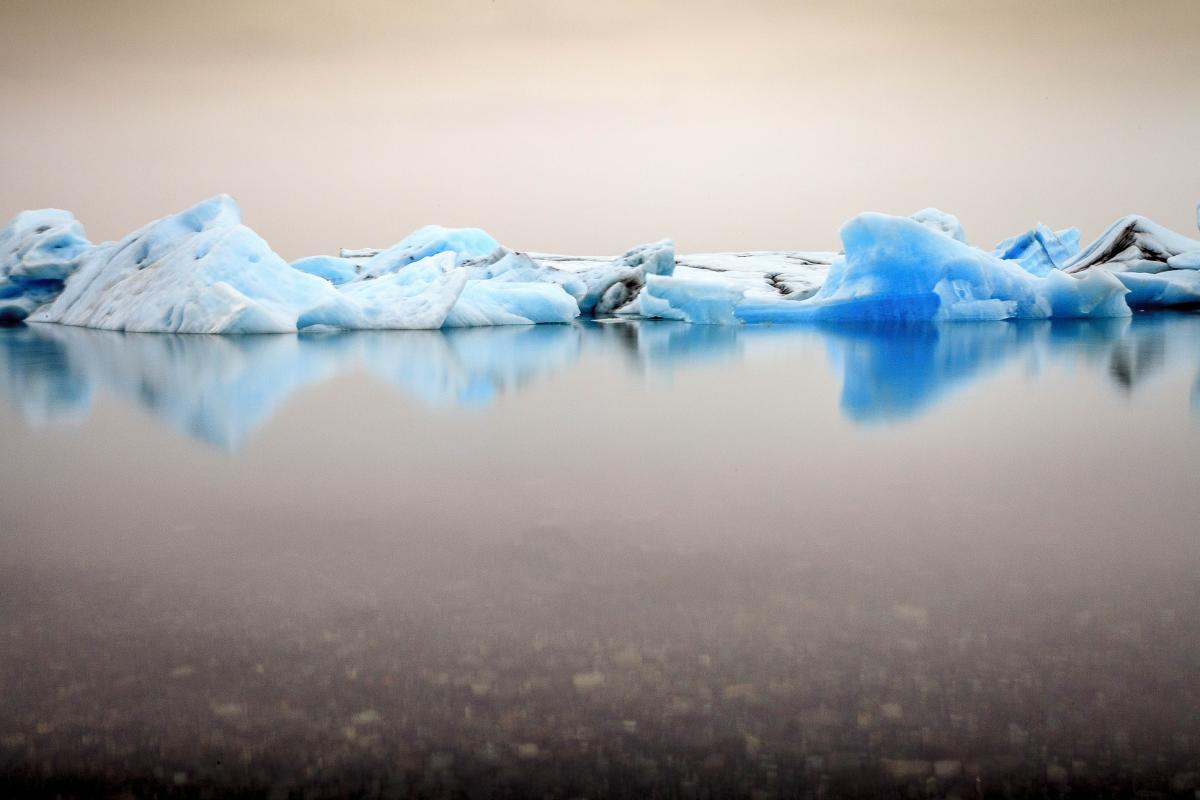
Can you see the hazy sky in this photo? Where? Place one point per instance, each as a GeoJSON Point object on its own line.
{"type": "Point", "coordinates": [592, 126]}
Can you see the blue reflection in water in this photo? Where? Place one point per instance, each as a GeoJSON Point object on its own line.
{"type": "Point", "coordinates": [221, 388]}
{"type": "Point", "coordinates": [892, 372]}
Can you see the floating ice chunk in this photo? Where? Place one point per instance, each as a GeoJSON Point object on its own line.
{"type": "Point", "coordinates": [941, 221]}
{"type": "Point", "coordinates": [1136, 244]}
{"type": "Point", "coordinates": [1157, 265]}
{"type": "Point", "coordinates": [688, 300]}
{"type": "Point", "coordinates": [333, 269]}
{"type": "Point", "coordinates": [505, 288]}
{"type": "Point", "coordinates": [606, 285]}
{"type": "Point", "coordinates": [464, 243]}
{"type": "Point", "coordinates": [418, 297]}
{"type": "Point", "coordinates": [198, 271]}
{"type": "Point", "coordinates": [202, 271]}
{"type": "Point", "coordinates": [1173, 287]}
{"type": "Point", "coordinates": [39, 250]}
{"type": "Point", "coordinates": [795, 275]}
{"type": "Point", "coordinates": [504, 265]}
{"type": "Point", "coordinates": [897, 269]}
{"type": "Point", "coordinates": [494, 302]}
{"type": "Point", "coordinates": [1040, 250]}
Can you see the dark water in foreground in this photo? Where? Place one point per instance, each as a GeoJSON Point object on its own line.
{"type": "Point", "coordinates": [622, 559]}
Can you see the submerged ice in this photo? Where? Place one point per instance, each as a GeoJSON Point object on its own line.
{"type": "Point", "coordinates": [203, 271]}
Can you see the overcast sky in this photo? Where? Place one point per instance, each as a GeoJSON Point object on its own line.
{"type": "Point", "coordinates": [592, 126]}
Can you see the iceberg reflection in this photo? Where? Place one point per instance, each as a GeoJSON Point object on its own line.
{"type": "Point", "coordinates": [220, 389]}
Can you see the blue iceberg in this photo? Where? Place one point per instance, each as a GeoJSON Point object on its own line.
{"type": "Point", "coordinates": [39, 250]}
{"type": "Point", "coordinates": [1040, 250]}
{"type": "Point", "coordinates": [334, 269]}
{"type": "Point", "coordinates": [897, 269]}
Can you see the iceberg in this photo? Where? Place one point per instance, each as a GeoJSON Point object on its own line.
{"type": "Point", "coordinates": [39, 250]}
{"type": "Point", "coordinates": [203, 271]}
{"type": "Point", "coordinates": [1158, 266]}
{"type": "Point", "coordinates": [198, 271]}
{"type": "Point", "coordinates": [509, 288]}
{"type": "Point", "coordinates": [1136, 244]}
{"type": "Point", "coordinates": [1040, 250]}
{"type": "Point", "coordinates": [940, 221]}
{"type": "Point", "coordinates": [601, 286]}
{"type": "Point", "coordinates": [897, 269]}
{"type": "Point", "coordinates": [686, 300]}
{"type": "Point", "coordinates": [796, 275]}
{"type": "Point", "coordinates": [332, 268]}
{"type": "Point", "coordinates": [511, 303]}
{"type": "Point", "coordinates": [464, 243]}
{"type": "Point", "coordinates": [417, 298]}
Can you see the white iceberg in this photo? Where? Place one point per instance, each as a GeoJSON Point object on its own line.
{"type": "Point", "coordinates": [1159, 266]}
{"type": "Point", "coordinates": [940, 221]}
{"type": "Point", "coordinates": [202, 271]}
{"type": "Point", "coordinates": [511, 303]}
{"type": "Point", "coordinates": [464, 243]}
{"type": "Point", "coordinates": [416, 298]}
{"type": "Point", "coordinates": [603, 285]}
{"type": "Point", "coordinates": [198, 271]}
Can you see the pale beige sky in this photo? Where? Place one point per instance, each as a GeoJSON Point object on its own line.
{"type": "Point", "coordinates": [591, 126]}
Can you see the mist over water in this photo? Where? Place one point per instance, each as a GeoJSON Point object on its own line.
{"type": "Point", "coordinates": [615, 557]}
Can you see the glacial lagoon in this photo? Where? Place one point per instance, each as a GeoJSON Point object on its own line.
{"type": "Point", "coordinates": [625, 557]}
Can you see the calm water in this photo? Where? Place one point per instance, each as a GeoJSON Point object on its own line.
{"type": "Point", "coordinates": [604, 559]}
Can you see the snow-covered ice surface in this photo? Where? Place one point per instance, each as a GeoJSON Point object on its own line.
{"type": "Point", "coordinates": [203, 271]}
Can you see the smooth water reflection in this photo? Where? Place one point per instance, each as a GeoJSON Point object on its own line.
{"type": "Point", "coordinates": [221, 389]}
{"type": "Point", "coordinates": [594, 560]}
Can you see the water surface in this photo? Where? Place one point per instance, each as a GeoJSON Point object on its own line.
{"type": "Point", "coordinates": [614, 558]}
